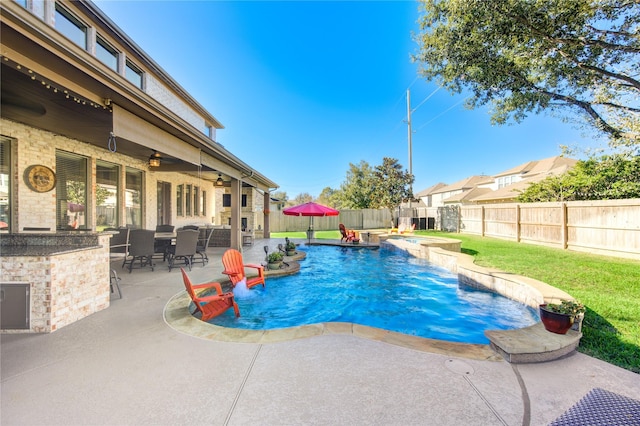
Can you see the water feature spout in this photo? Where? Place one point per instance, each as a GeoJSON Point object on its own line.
{"type": "Point", "coordinates": [241, 291]}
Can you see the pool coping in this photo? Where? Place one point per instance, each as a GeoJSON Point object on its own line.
{"type": "Point", "coordinates": [526, 290]}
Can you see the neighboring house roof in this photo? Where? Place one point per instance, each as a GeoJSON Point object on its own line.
{"type": "Point", "coordinates": [467, 195]}
{"type": "Point", "coordinates": [510, 192]}
{"type": "Point", "coordinates": [529, 172]}
{"type": "Point", "coordinates": [431, 189]}
{"type": "Point", "coordinates": [538, 166]}
{"type": "Point", "coordinates": [553, 163]}
{"type": "Point", "coordinates": [518, 170]}
{"type": "Point", "coordinates": [467, 183]}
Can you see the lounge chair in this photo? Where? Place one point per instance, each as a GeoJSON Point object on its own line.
{"type": "Point", "coordinates": [234, 268]}
{"type": "Point", "coordinates": [348, 235]}
{"type": "Point", "coordinates": [209, 306]}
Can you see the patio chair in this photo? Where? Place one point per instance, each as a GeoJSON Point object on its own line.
{"type": "Point", "coordinates": [213, 305]}
{"type": "Point", "coordinates": [141, 248]}
{"type": "Point", "coordinates": [347, 234]}
{"type": "Point", "coordinates": [203, 243]}
{"type": "Point", "coordinates": [161, 246]}
{"type": "Point", "coordinates": [234, 268]}
{"type": "Point", "coordinates": [193, 227]}
{"type": "Point", "coordinates": [119, 243]}
{"type": "Point", "coordinates": [185, 248]}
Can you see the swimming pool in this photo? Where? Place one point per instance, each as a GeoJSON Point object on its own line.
{"type": "Point", "coordinates": [387, 289]}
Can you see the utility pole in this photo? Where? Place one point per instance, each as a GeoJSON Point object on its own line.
{"type": "Point", "coordinates": [410, 147]}
{"type": "Point", "coordinates": [409, 134]}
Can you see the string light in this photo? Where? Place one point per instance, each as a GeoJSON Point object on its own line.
{"type": "Point", "coordinates": [50, 86]}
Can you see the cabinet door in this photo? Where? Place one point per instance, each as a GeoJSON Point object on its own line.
{"type": "Point", "coordinates": [14, 306]}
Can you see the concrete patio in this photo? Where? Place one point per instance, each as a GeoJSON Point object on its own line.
{"type": "Point", "coordinates": [125, 365]}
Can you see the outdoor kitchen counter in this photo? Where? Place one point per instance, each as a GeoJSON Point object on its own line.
{"type": "Point", "coordinates": [65, 277]}
{"type": "Point", "coordinates": [12, 251]}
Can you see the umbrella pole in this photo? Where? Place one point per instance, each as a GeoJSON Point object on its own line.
{"type": "Point", "coordinates": [310, 230]}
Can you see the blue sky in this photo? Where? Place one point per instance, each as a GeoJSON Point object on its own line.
{"type": "Point", "coordinates": [305, 88]}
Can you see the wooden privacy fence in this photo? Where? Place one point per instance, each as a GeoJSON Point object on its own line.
{"type": "Point", "coordinates": [352, 219]}
{"type": "Point", "coordinates": [609, 227]}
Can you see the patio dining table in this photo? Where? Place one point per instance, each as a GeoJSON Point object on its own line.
{"type": "Point", "coordinates": [164, 236]}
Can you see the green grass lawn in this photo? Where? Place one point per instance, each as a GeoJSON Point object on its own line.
{"type": "Point", "coordinates": [608, 286]}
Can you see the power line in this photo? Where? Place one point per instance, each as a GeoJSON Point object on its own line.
{"type": "Point", "coordinates": [426, 99]}
{"type": "Point", "coordinates": [442, 113]}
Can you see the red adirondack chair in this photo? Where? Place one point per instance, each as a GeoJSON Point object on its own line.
{"type": "Point", "coordinates": [209, 306]}
{"type": "Point", "coordinates": [234, 268]}
{"type": "Point", "coordinates": [347, 234]}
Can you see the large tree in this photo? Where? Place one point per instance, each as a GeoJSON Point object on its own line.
{"type": "Point", "coordinates": [525, 56]}
{"type": "Point", "coordinates": [357, 190]}
{"type": "Point", "coordinates": [303, 197]}
{"type": "Point", "coordinates": [392, 185]}
{"type": "Point", "coordinates": [330, 197]}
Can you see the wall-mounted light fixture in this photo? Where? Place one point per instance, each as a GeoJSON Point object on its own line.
{"type": "Point", "coordinates": [219, 181]}
{"type": "Point", "coordinates": [154, 160]}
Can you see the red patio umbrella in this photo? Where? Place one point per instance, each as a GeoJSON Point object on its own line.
{"type": "Point", "coordinates": [312, 210]}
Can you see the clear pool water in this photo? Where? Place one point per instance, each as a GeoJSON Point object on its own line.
{"type": "Point", "coordinates": [387, 289]}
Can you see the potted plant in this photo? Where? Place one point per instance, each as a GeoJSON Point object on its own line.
{"type": "Point", "coordinates": [290, 247]}
{"type": "Point", "coordinates": [559, 317]}
{"type": "Point", "coordinates": [274, 260]}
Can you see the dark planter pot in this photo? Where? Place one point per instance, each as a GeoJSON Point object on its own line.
{"type": "Point", "coordinates": [555, 322]}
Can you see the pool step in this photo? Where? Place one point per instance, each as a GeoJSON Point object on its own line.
{"type": "Point", "coordinates": [532, 344]}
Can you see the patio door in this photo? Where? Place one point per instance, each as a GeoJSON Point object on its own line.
{"type": "Point", "coordinates": [164, 203]}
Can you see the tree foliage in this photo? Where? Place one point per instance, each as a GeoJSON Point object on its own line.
{"type": "Point", "coordinates": [356, 191]}
{"type": "Point", "coordinates": [330, 197]}
{"type": "Point", "coordinates": [392, 185]}
{"type": "Point", "coordinates": [302, 198]}
{"type": "Point", "coordinates": [281, 196]}
{"type": "Point", "coordinates": [607, 178]}
{"type": "Point", "coordinates": [525, 56]}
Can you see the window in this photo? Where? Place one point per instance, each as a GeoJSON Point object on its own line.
{"type": "Point", "coordinates": [71, 26]}
{"type": "Point", "coordinates": [71, 191]}
{"type": "Point", "coordinates": [187, 199]}
{"type": "Point", "coordinates": [203, 203]}
{"type": "Point", "coordinates": [133, 198]}
{"type": "Point", "coordinates": [133, 74]}
{"type": "Point", "coordinates": [5, 184]}
{"type": "Point", "coordinates": [106, 53]}
{"type": "Point", "coordinates": [107, 208]}
{"type": "Point", "coordinates": [196, 201]}
{"type": "Point", "coordinates": [34, 6]}
{"type": "Point", "coordinates": [226, 200]}
{"type": "Point", "coordinates": [179, 190]}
